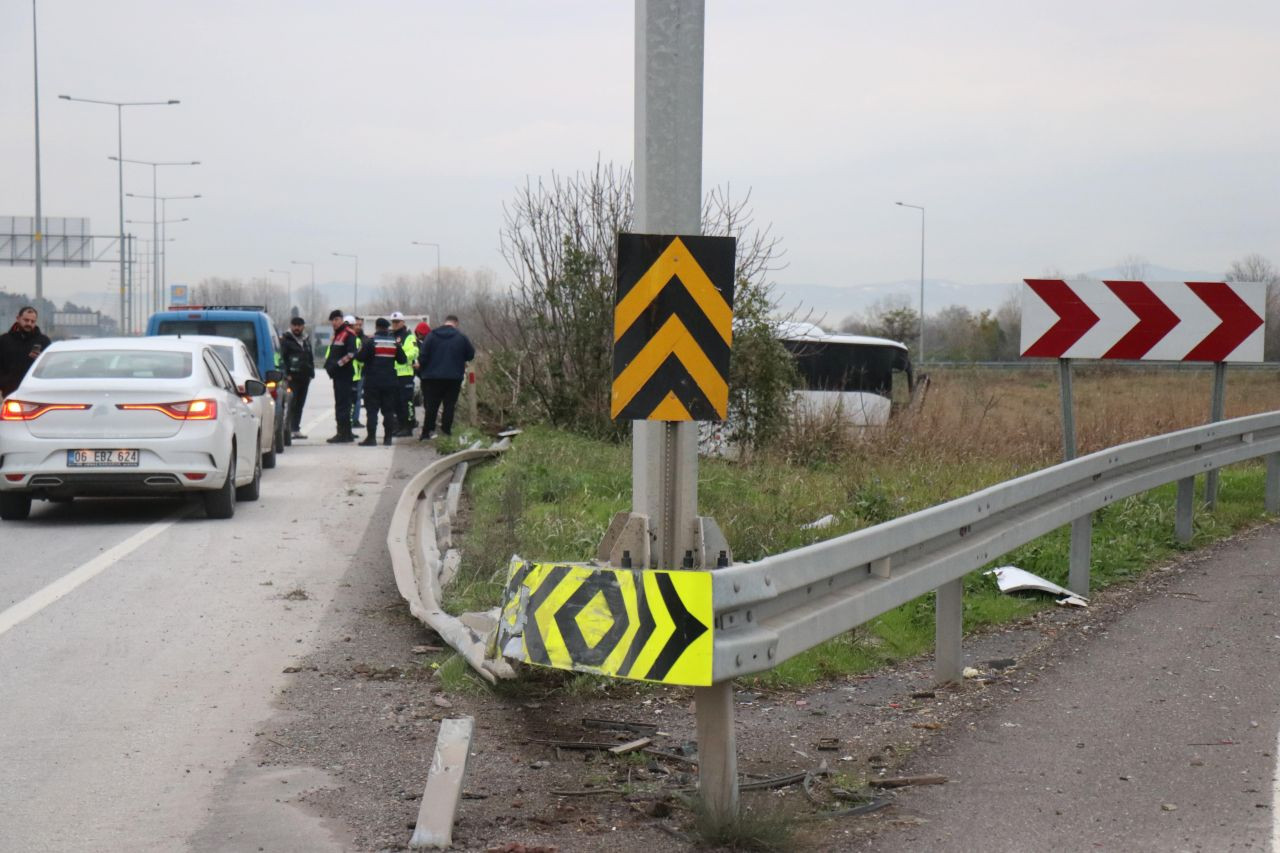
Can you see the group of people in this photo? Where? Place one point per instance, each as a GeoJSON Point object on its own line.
{"type": "Point", "coordinates": [19, 348]}
{"type": "Point", "coordinates": [380, 370]}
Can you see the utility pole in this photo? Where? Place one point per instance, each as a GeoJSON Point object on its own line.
{"type": "Point", "coordinates": [37, 242]}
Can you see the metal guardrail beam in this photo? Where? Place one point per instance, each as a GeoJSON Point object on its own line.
{"type": "Point", "coordinates": [773, 609]}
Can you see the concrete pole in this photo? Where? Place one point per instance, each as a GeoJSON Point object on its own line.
{"type": "Point", "coordinates": [668, 200]}
{"type": "Point", "coordinates": [37, 243]}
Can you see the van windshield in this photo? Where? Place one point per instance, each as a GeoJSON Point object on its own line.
{"type": "Point", "coordinates": [242, 329]}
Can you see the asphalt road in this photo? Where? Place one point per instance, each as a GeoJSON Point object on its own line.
{"type": "Point", "coordinates": [142, 644]}
{"type": "Point", "coordinates": [1158, 733]}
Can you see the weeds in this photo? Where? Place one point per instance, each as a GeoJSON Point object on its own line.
{"type": "Point", "coordinates": [753, 829]}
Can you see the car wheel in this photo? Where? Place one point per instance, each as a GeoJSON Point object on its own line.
{"type": "Point", "coordinates": [268, 458]}
{"type": "Point", "coordinates": [14, 507]}
{"type": "Point", "coordinates": [277, 441]}
{"type": "Point", "coordinates": [222, 503]}
{"type": "Point", "coordinates": [250, 490]}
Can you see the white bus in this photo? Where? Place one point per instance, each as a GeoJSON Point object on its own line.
{"type": "Point", "coordinates": [852, 374]}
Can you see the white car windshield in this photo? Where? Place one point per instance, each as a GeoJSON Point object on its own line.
{"type": "Point", "coordinates": [114, 364]}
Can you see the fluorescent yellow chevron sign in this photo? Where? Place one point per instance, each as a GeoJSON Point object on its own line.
{"type": "Point", "coordinates": [627, 623]}
{"type": "Point", "coordinates": [673, 327]}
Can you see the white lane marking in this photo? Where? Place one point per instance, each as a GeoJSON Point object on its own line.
{"type": "Point", "coordinates": [34, 603]}
{"type": "Point", "coordinates": [1275, 800]}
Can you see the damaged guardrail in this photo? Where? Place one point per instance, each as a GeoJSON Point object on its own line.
{"type": "Point", "coordinates": [424, 562]}
{"type": "Point", "coordinates": [619, 621]}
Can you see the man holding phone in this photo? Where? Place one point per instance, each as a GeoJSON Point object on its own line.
{"type": "Point", "coordinates": [19, 347]}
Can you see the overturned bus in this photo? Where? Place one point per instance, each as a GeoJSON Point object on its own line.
{"type": "Point", "coordinates": [855, 375]}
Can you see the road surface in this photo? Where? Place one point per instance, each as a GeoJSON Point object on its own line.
{"type": "Point", "coordinates": [141, 646]}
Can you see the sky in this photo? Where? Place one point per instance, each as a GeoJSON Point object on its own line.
{"type": "Point", "coordinates": [1047, 136]}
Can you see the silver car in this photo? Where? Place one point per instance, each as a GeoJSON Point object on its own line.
{"type": "Point", "coordinates": [129, 416]}
{"type": "Point", "coordinates": [235, 355]}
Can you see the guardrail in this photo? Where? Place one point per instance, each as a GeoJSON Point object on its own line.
{"type": "Point", "coordinates": [420, 525]}
{"type": "Point", "coordinates": [773, 609]}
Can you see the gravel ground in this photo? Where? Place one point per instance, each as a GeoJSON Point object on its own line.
{"type": "Point", "coordinates": [365, 710]}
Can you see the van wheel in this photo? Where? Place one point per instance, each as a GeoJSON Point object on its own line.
{"type": "Point", "coordinates": [14, 507]}
{"type": "Point", "coordinates": [250, 490]}
{"type": "Point", "coordinates": [222, 503]}
{"type": "Point", "coordinates": [268, 458]}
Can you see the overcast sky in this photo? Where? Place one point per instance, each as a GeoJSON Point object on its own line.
{"type": "Point", "coordinates": [1039, 135]}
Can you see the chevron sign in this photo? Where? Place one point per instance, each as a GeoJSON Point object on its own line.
{"type": "Point", "coordinates": [672, 327]}
{"type": "Point", "coordinates": [1156, 321]}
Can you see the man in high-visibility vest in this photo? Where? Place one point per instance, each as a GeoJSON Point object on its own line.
{"type": "Point", "coordinates": [357, 378]}
{"type": "Point", "coordinates": [404, 375]}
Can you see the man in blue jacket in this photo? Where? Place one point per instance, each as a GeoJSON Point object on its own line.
{"type": "Point", "coordinates": [443, 360]}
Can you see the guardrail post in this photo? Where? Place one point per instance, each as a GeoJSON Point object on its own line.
{"type": "Point", "coordinates": [1081, 555]}
{"type": "Point", "coordinates": [1217, 411]}
{"type": "Point", "coordinates": [717, 749]}
{"type": "Point", "coordinates": [1186, 507]}
{"type": "Point", "coordinates": [948, 632]}
{"type": "Point", "coordinates": [1273, 484]}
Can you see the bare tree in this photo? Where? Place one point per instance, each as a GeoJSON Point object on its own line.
{"type": "Point", "coordinates": [1132, 268]}
{"type": "Point", "coordinates": [555, 332]}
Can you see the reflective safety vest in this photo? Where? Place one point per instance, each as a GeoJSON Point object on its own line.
{"type": "Point", "coordinates": [410, 347]}
{"type": "Point", "coordinates": [357, 364]}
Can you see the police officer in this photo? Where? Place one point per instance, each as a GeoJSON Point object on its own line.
{"type": "Point", "coordinates": [380, 355]}
{"type": "Point", "coordinates": [338, 364]}
{"type": "Point", "coordinates": [357, 379]}
{"type": "Point", "coordinates": [295, 349]}
{"type": "Point", "coordinates": [404, 373]}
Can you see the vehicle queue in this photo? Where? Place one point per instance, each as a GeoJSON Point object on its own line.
{"type": "Point", "coordinates": [203, 403]}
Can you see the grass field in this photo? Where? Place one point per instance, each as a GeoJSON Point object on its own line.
{"type": "Point", "coordinates": [553, 494]}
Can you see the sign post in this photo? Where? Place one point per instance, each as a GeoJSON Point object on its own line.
{"type": "Point", "coordinates": [1166, 321]}
{"type": "Point", "coordinates": [664, 461]}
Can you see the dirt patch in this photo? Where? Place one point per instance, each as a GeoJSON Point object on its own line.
{"type": "Point", "coordinates": [366, 708]}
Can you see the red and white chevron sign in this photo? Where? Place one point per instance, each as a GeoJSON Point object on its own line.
{"type": "Point", "coordinates": [1156, 321]}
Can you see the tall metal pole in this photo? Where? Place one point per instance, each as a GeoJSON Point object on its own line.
{"type": "Point", "coordinates": [1217, 410]}
{"type": "Point", "coordinates": [126, 285]}
{"type": "Point", "coordinates": [155, 242]}
{"type": "Point", "coordinates": [668, 200]}
{"type": "Point", "coordinates": [921, 209]}
{"type": "Point", "coordinates": [37, 243]}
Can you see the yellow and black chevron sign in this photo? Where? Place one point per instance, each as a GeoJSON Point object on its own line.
{"type": "Point", "coordinates": [627, 623]}
{"type": "Point", "coordinates": [673, 327]}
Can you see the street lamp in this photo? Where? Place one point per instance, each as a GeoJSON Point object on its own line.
{"type": "Point", "coordinates": [156, 253]}
{"type": "Point", "coordinates": [355, 309]}
{"type": "Point", "coordinates": [311, 307]}
{"type": "Point", "coordinates": [921, 209]}
{"type": "Point", "coordinates": [125, 284]}
{"type": "Point", "coordinates": [164, 213]}
{"type": "Point", "coordinates": [437, 246]}
{"type": "Point", "coordinates": [155, 220]}
{"type": "Point", "coordinates": [288, 293]}
{"type": "Point", "coordinates": [37, 242]}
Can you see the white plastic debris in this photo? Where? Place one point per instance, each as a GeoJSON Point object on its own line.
{"type": "Point", "coordinates": [1014, 579]}
{"type": "Point", "coordinates": [825, 521]}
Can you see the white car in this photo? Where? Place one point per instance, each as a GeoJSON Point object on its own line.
{"type": "Point", "coordinates": [235, 355]}
{"type": "Point", "coordinates": [129, 416]}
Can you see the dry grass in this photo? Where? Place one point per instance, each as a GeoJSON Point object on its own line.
{"type": "Point", "coordinates": [1015, 416]}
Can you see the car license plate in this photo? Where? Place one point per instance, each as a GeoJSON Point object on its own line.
{"type": "Point", "coordinates": [102, 458]}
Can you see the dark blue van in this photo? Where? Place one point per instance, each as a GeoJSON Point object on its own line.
{"type": "Point", "coordinates": [249, 323]}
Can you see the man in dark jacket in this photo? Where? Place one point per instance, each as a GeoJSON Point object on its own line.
{"type": "Point", "coordinates": [19, 347]}
{"type": "Point", "coordinates": [380, 355]}
{"type": "Point", "coordinates": [295, 349]}
{"type": "Point", "coordinates": [444, 358]}
{"type": "Point", "coordinates": [337, 363]}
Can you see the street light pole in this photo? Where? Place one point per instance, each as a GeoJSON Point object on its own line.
{"type": "Point", "coordinates": [355, 309]}
{"type": "Point", "coordinates": [155, 219]}
{"type": "Point", "coordinates": [126, 288]}
{"type": "Point", "coordinates": [288, 293]}
{"type": "Point", "coordinates": [310, 308]}
{"type": "Point", "coordinates": [921, 209]}
{"type": "Point", "coordinates": [437, 245]}
{"type": "Point", "coordinates": [37, 242]}
{"type": "Point", "coordinates": [164, 234]}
